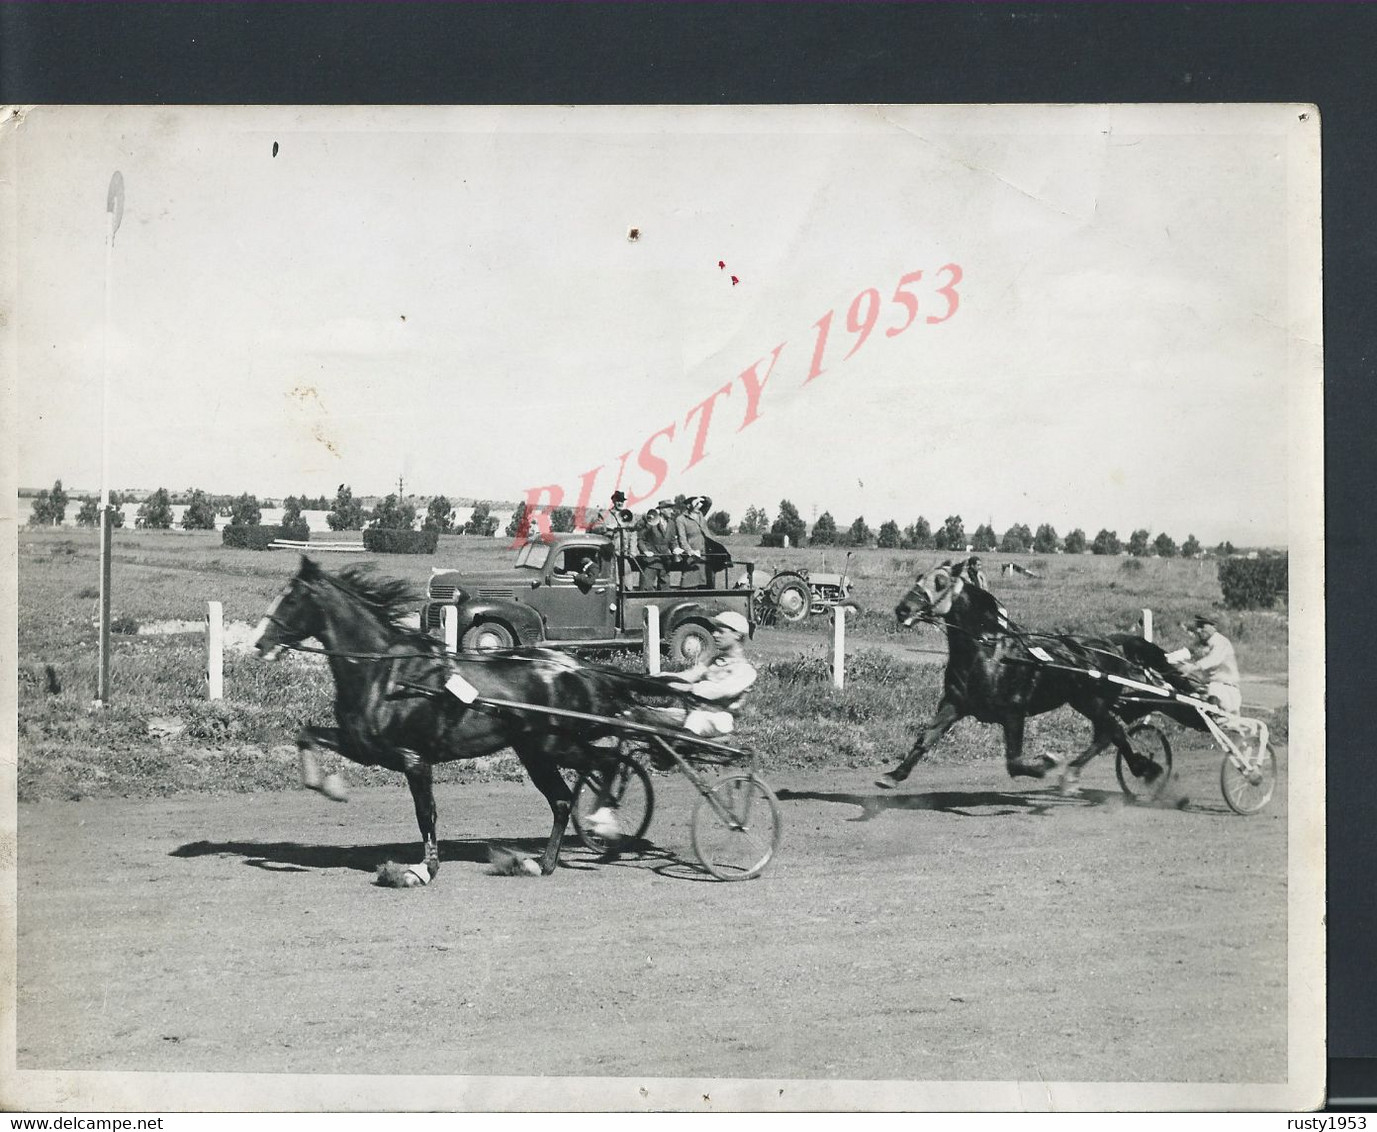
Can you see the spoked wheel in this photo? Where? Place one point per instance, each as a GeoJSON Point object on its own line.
{"type": "Point", "coordinates": [624, 785]}
{"type": "Point", "coordinates": [1149, 741]}
{"type": "Point", "coordinates": [1248, 789]}
{"type": "Point", "coordinates": [737, 827]}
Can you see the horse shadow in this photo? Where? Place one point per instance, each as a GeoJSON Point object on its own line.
{"type": "Point", "coordinates": [961, 803]}
{"type": "Point", "coordinates": [294, 857]}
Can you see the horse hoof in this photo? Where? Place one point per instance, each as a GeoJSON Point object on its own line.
{"type": "Point", "coordinates": [887, 782]}
{"type": "Point", "coordinates": [603, 823]}
{"type": "Point", "coordinates": [333, 788]}
{"type": "Point", "coordinates": [394, 875]}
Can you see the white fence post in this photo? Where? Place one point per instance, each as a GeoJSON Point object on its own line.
{"type": "Point", "coordinates": [1147, 624]}
{"type": "Point", "coordinates": [652, 639]}
{"type": "Point", "coordinates": [215, 651]}
{"type": "Point", "coordinates": [839, 646]}
{"type": "Point", "coordinates": [451, 621]}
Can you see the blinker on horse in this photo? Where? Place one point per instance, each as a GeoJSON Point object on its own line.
{"type": "Point", "coordinates": [391, 709]}
{"type": "Point", "coordinates": [992, 676]}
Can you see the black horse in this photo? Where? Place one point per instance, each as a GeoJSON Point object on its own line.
{"type": "Point", "coordinates": [993, 674]}
{"type": "Point", "coordinates": [391, 703]}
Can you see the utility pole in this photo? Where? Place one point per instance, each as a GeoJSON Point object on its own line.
{"type": "Point", "coordinates": [114, 213]}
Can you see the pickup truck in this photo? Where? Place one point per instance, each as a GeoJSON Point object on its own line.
{"type": "Point", "coordinates": [575, 592]}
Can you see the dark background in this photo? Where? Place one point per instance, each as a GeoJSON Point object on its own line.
{"type": "Point", "coordinates": [664, 52]}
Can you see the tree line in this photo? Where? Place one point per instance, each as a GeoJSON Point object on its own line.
{"type": "Point", "coordinates": [396, 512]}
{"type": "Point", "coordinates": [951, 535]}
{"type": "Point", "coordinates": [344, 513]}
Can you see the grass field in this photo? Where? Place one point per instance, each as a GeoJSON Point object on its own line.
{"type": "Point", "coordinates": [159, 734]}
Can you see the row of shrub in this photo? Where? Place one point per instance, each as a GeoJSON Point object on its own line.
{"type": "Point", "coordinates": [377, 539]}
{"type": "Point", "coordinates": [1253, 583]}
{"type": "Point", "coordinates": [255, 537]}
{"type": "Point", "coordinates": [383, 540]}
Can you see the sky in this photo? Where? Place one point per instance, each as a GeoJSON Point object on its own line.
{"type": "Point", "coordinates": [302, 297]}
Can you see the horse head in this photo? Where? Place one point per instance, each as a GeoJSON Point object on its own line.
{"type": "Point", "coordinates": [294, 614]}
{"type": "Point", "coordinates": [931, 594]}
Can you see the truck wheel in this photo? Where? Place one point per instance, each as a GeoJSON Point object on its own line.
{"type": "Point", "coordinates": [691, 643]}
{"type": "Point", "coordinates": [485, 636]}
{"type": "Point", "coordinates": [792, 600]}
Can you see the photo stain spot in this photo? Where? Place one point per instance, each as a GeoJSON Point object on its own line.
{"type": "Point", "coordinates": [633, 234]}
{"type": "Point", "coordinates": [274, 149]}
{"type": "Point", "coordinates": [735, 280]}
{"type": "Point", "coordinates": [403, 317]}
{"type": "Point", "coordinates": [721, 263]}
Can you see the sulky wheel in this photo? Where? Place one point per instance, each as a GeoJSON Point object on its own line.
{"type": "Point", "coordinates": [1147, 740]}
{"type": "Point", "coordinates": [623, 783]}
{"type": "Point", "coordinates": [1248, 789]}
{"type": "Point", "coordinates": [737, 827]}
{"type": "Point", "coordinates": [792, 600]}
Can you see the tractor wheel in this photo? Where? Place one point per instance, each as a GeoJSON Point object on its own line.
{"type": "Point", "coordinates": [792, 600]}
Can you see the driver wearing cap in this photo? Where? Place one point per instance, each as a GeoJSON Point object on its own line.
{"type": "Point", "coordinates": [723, 682]}
{"type": "Point", "coordinates": [1214, 662]}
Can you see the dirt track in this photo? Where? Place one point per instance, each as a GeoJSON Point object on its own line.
{"type": "Point", "coordinates": [964, 928]}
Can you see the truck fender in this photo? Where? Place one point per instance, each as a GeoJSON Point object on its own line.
{"type": "Point", "coordinates": [520, 619]}
{"type": "Point", "coordinates": [672, 616]}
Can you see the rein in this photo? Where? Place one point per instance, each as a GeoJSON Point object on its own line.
{"type": "Point", "coordinates": [362, 655]}
{"type": "Point", "coordinates": [1022, 636]}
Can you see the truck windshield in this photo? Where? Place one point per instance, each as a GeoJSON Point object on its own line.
{"type": "Point", "coordinates": [533, 554]}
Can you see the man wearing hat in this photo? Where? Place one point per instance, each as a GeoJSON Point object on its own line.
{"type": "Point", "coordinates": [604, 519]}
{"type": "Point", "coordinates": [722, 683]}
{"type": "Point", "coordinates": [625, 544]}
{"type": "Point", "coordinates": [1214, 662]}
{"type": "Point", "coordinates": [655, 539]}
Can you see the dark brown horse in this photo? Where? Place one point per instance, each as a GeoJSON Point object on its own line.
{"type": "Point", "coordinates": [391, 706]}
{"type": "Point", "coordinates": [995, 675]}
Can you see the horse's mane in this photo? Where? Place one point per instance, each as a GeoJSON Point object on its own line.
{"type": "Point", "coordinates": [391, 600]}
{"type": "Point", "coordinates": [991, 609]}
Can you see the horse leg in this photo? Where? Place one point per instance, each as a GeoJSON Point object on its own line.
{"type": "Point", "coordinates": [947, 714]}
{"type": "Point", "coordinates": [419, 778]}
{"type": "Point", "coordinates": [1101, 736]}
{"type": "Point", "coordinates": [1141, 766]}
{"type": "Point", "coordinates": [1108, 729]}
{"type": "Point", "coordinates": [326, 738]}
{"type": "Point", "coordinates": [1015, 763]}
{"type": "Point", "coordinates": [544, 772]}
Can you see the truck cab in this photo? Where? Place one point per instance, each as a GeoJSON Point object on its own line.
{"type": "Point", "coordinates": [575, 592]}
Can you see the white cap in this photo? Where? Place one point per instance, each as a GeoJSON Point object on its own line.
{"type": "Point", "coordinates": [735, 622]}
